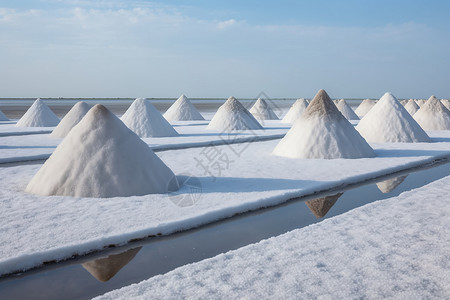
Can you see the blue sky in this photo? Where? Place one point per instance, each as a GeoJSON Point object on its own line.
{"type": "Point", "coordinates": [117, 48]}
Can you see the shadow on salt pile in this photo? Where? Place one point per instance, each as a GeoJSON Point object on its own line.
{"type": "Point", "coordinates": [321, 206]}
{"type": "Point", "coordinates": [103, 269]}
{"type": "Point", "coordinates": [407, 152]}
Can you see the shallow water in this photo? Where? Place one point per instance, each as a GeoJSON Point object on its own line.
{"type": "Point", "coordinates": [71, 280]}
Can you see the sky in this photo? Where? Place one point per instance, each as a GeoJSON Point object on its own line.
{"type": "Point", "coordinates": [118, 48]}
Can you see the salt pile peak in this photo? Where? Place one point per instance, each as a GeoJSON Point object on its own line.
{"type": "Point", "coordinates": [433, 115]}
{"type": "Point", "coordinates": [182, 110]}
{"type": "Point", "coordinates": [389, 122]}
{"type": "Point", "coordinates": [3, 117]}
{"type": "Point", "coordinates": [38, 115]}
{"type": "Point", "coordinates": [75, 114]}
{"type": "Point", "coordinates": [346, 110]}
{"type": "Point", "coordinates": [262, 111]}
{"type": "Point", "coordinates": [146, 121]}
{"type": "Point", "coordinates": [323, 132]}
{"type": "Point", "coordinates": [364, 107]}
{"type": "Point", "coordinates": [101, 158]}
{"type": "Point", "coordinates": [296, 110]}
{"type": "Point", "coordinates": [411, 107]}
{"type": "Point", "coordinates": [232, 115]}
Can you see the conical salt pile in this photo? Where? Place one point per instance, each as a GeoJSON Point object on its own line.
{"type": "Point", "coordinates": [364, 107]}
{"type": "Point", "coordinates": [323, 132]}
{"type": "Point", "coordinates": [433, 115]}
{"type": "Point", "coordinates": [75, 114]}
{"type": "Point", "coordinates": [446, 103]}
{"type": "Point", "coordinates": [101, 157]}
{"type": "Point", "coordinates": [3, 117]}
{"type": "Point", "coordinates": [232, 115]}
{"type": "Point", "coordinates": [103, 269]}
{"type": "Point", "coordinates": [346, 110]}
{"type": "Point", "coordinates": [421, 102]}
{"type": "Point", "coordinates": [389, 185]}
{"type": "Point", "coordinates": [296, 110]}
{"type": "Point", "coordinates": [262, 111]}
{"type": "Point", "coordinates": [321, 206]}
{"type": "Point", "coordinates": [146, 121]}
{"type": "Point", "coordinates": [389, 122]}
{"type": "Point", "coordinates": [411, 107]}
{"type": "Point", "coordinates": [38, 115]}
{"type": "Point", "coordinates": [182, 110]}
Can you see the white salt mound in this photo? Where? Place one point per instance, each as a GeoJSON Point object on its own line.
{"type": "Point", "coordinates": [75, 114]}
{"type": "Point", "coordinates": [323, 132]}
{"type": "Point", "coordinates": [433, 115]}
{"type": "Point", "coordinates": [3, 117]}
{"type": "Point", "coordinates": [38, 115]}
{"type": "Point", "coordinates": [262, 111]}
{"type": "Point", "coordinates": [232, 115]}
{"type": "Point", "coordinates": [182, 110]}
{"type": "Point", "coordinates": [446, 103]}
{"type": "Point", "coordinates": [146, 121]}
{"type": "Point", "coordinates": [421, 102]}
{"type": "Point", "coordinates": [411, 107]}
{"type": "Point", "coordinates": [295, 111]}
{"type": "Point", "coordinates": [101, 158]}
{"type": "Point", "coordinates": [389, 185]}
{"type": "Point", "coordinates": [364, 107]}
{"type": "Point", "coordinates": [389, 122]}
{"type": "Point", "coordinates": [346, 110]}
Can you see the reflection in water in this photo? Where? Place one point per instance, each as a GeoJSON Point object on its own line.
{"type": "Point", "coordinates": [103, 269]}
{"type": "Point", "coordinates": [321, 206]}
{"type": "Point", "coordinates": [389, 185]}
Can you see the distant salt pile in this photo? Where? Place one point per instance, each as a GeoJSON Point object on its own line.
{"type": "Point", "coordinates": [389, 122]}
{"type": "Point", "coordinates": [38, 115]}
{"type": "Point", "coordinates": [100, 157]}
{"type": "Point", "coordinates": [262, 111]}
{"type": "Point", "coordinates": [364, 107]}
{"type": "Point", "coordinates": [3, 117]}
{"type": "Point", "coordinates": [420, 102]}
{"type": "Point", "coordinates": [70, 119]}
{"type": "Point", "coordinates": [321, 206]}
{"type": "Point", "coordinates": [403, 102]}
{"type": "Point", "coordinates": [296, 110]}
{"type": "Point", "coordinates": [146, 121]}
{"type": "Point", "coordinates": [182, 110]}
{"type": "Point", "coordinates": [346, 110]}
{"type": "Point", "coordinates": [411, 107]}
{"type": "Point", "coordinates": [103, 269]}
{"type": "Point", "coordinates": [446, 103]}
{"type": "Point", "coordinates": [433, 115]}
{"type": "Point", "coordinates": [232, 115]}
{"type": "Point", "coordinates": [323, 132]}
{"type": "Point", "coordinates": [389, 185]}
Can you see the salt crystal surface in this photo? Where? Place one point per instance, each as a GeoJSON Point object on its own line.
{"type": "Point", "coordinates": [38, 115]}
{"type": "Point", "coordinates": [295, 111]}
{"type": "Point", "coordinates": [433, 115]}
{"type": "Point", "coordinates": [323, 132]}
{"type": "Point", "coordinates": [389, 122]}
{"type": "Point", "coordinates": [411, 107]}
{"type": "Point", "coordinates": [146, 121]}
{"type": "Point", "coordinates": [75, 114]}
{"type": "Point", "coordinates": [101, 157]}
{"type": "Point", "coordinates": [346, 110]}
{"type": "Point", "coordinates": [364, 107]}
{"type": "Point", "coordinates": [182, 110]}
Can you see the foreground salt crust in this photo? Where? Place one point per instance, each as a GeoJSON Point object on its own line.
{"type": "Point", "coordinates": [38, 115]}
{"type": "Point", "coordinates": [295, 111]}
{"type": "Point", "coordinates": [323, 132]}
{"type": "Point", "coordinates": [3, 117]}
{"type": "Point", "coordinates": [146, 121]}
{"type": "Point", "coordinates": [395, 248]}
{"type": "Point", "coordinates": [262, 111]}
{"type": "Point", "coordinates": [101, 157]}
{"type": "Point", "coordinates": [411, 107]}
{"type": "Point", "coordinates": [364, 107]}
{"type": "Point", "coordinates": [433, 115]}
{"type": "Point", "coordinates": [72, 118]}
{"type": "Point", "coordinates": [232, 115]}
{"type": "Point", "coordinates": [389, 122]}
{"type": "Point", "coordinates": [182, 110]}
{"type": "Point", "coordinates": [346, 110]}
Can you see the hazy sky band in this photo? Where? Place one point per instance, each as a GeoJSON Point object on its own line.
{"type": "Point", "coordinates": [221, 48]}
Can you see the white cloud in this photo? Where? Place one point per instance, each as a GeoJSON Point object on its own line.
{"type": "Point", "coordinates": [226, 24]}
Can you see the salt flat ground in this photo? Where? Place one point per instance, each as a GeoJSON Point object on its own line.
{"type": "Point", "coordinates": [229, 179]}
